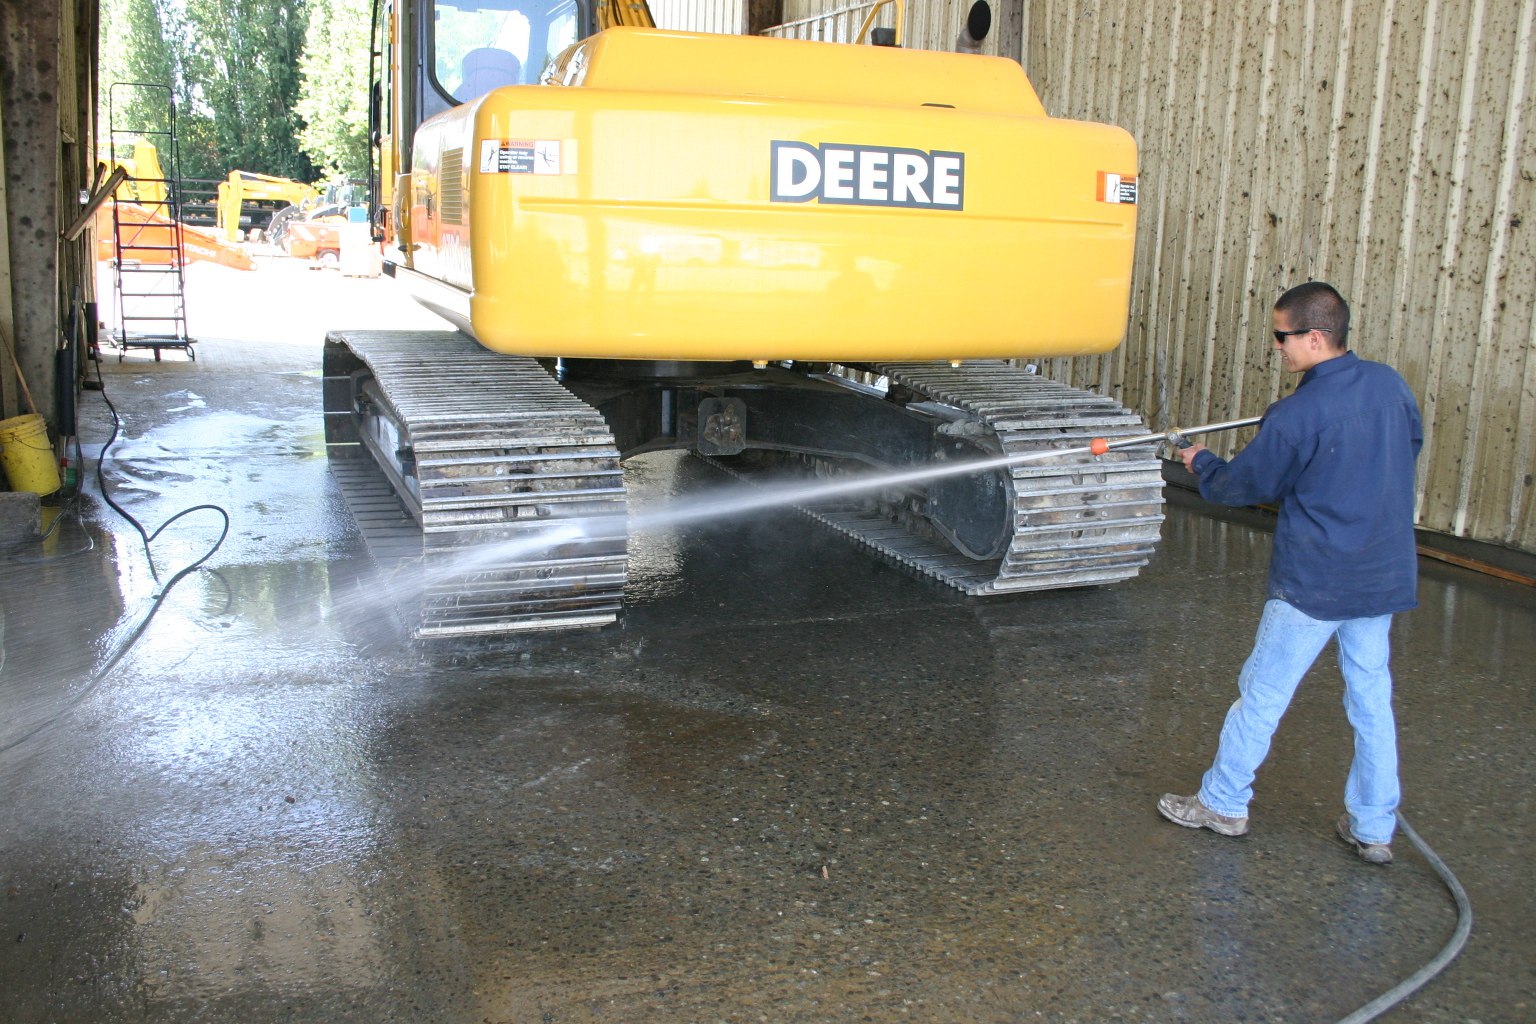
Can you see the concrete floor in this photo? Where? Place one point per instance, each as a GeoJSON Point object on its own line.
{"type": "Point", "coordinates": [792, 784]}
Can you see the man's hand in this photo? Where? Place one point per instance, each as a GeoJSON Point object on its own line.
{"type": "Point", "coordinates": [1188, 455]}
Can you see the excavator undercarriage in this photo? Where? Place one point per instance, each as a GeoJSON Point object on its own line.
{"type": "Point", "coordinates": [490, 486]}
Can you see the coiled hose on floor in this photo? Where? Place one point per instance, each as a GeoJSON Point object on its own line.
{"type": "Point", "coordinates": [148, 538]}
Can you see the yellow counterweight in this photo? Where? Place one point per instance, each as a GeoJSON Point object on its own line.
{"type": "Point", "coordinates": [683, 196]}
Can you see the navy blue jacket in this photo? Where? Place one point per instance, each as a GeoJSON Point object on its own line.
{"type": "Point", "coordinates": [1337, 456]}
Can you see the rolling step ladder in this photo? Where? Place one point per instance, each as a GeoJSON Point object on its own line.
{"type": "Point", "coordinates": [149, 257]}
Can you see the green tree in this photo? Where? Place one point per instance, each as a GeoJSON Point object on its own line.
{"type": "Point", "coordinates": [233, 68]}
{"type": "Point", "coordinates": [333, 94]}
{"type": "Point", "coordinates": [240, 62]}
{"type": "Point", "coordinates": [133, 49]}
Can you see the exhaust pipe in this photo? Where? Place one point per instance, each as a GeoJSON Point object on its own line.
{"type": "Point", "coordinates": [977, 24]}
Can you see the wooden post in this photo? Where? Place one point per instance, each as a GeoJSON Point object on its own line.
{"type": "Point", "coordinates": [29, 210]}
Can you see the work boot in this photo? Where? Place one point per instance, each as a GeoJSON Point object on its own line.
{"type": "Point", "coordinates": [1191, 813]}
{"type": "Point", "coordinates": [1373, 853]}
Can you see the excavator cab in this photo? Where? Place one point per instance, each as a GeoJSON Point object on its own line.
{"type": "Point", "coordinates": [463, 50]}
{"type": "Point", "coordinates": [480, 45]}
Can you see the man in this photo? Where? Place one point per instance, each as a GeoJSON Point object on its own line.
{"type": "Point", "coordinates": [1337, 457]}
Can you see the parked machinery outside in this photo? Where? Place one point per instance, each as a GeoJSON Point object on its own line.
{"type": "Point", "coordinates": [247, 201]}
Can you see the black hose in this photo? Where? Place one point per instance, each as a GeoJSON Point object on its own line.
{"type": "Point", "coordinates": [148, 537]}
{"type": "Point", "coordinates": [1411, 984]}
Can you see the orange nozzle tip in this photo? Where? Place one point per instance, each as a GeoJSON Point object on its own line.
{"type": "Point", "coordinates": [1098, 446]}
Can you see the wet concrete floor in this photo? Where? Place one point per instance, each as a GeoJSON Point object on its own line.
{"type": "Point", "coordinates": [792, 784]}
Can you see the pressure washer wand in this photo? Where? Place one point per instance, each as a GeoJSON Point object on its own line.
{"type": "Point", "coordinates": [1176, 437]}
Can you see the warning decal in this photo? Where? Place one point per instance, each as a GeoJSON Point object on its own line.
{"type": "Point", "coordinates": [520, 156]}
{"type": "Point", "coordinates": [1117, 188]}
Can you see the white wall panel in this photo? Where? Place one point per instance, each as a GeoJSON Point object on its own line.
{"type": "Point", "coordinates": [934, 25]}
{"type": "Point", "coordinates": [724, 16]}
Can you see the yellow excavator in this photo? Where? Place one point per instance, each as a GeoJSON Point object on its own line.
{"type": "Point", "coordinates": [788, 257]}
{"type": "Point", "coordinates": [250, 200]}
{"type": "Point", "coordinates": [146, 182]}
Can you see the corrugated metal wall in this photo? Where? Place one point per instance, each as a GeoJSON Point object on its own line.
{"type": "Point", "coordinates": [727, 16]}
{"type": "Point", "coordinates": [838, 25]}
{"type": "Point", "coordinates": [930, 25]}
{"type": "Point", "coordinates": [1386, 146]}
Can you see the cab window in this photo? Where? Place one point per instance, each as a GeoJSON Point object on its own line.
{"type": "Point", "coordinates": [480, 45]}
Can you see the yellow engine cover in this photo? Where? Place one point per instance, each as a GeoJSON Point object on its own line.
{"type": "Point", "coordinates": [694, 196]}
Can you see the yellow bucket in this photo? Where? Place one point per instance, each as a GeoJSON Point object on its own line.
{"type": "Point", "coordinates": [26, 454]}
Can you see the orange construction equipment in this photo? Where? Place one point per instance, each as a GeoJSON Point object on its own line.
{"type": "Point", "coordinates": [315, 240]}
{"type": "Point", "coordinates": [150, 229]}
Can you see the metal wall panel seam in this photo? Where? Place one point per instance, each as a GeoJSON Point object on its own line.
{"type": "Point", "coordinates": [1039, 48]}
{"type": "Point", "coordinates": [1111, 86]}
{"type": "Point", "coordinates": [1112, 364]}
{"type": "Point", "coordinates": [1070, 109]}
{"type": "Point", "coordinates": [1484, 346]}
{"type": "Point", "coordinates": [1026, 30]}
{"type": "Point", "coordinates": [1138, 322]}
{"type": "Point", "coordinates": [1408, 229]}
{"type": "Point", "coordinates": [1341, 70]}
{"type": "Point", "coordinates": [1285, 197]}
{"type": "Point", "coordinates": [1155, 347]}
{"type": "Point", "coordinates": [1294, 231]}
{"type": "Point", "coordinates": [1258, 202]}
{"type": "Point", "coordinates": [1077, 93]}
{"type": "Point", "coordinates": [1373, 153]}
{"type": "Point", "coordinates": [1076, 371]}
{"type": "Point", "coordinates": [1180, 342]}
{"type": "Point", "coordinates": [1522, 505]}
{"type": "Point", "coordinates": [1483, 357]}
{"type": "Point", "coordinates": [1223, 190]}
{"type": "Point", "coordinates": [1450, 251]}
{"type": "Point", "coordinates": [1061, 43]}
{"type": "Point", "coordinates": [1487, 350]}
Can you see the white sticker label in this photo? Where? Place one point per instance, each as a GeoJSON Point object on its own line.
{"type": "Point", "coordinates": [520, 156]}
{"type": "Point", "coordinates": [1117, 188]}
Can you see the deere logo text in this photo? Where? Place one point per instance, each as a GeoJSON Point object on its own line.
{"type": "Point", "coordinates": [867, 176]}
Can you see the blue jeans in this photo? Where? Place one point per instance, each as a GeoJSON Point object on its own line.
{"type": "Point", "coordinates": [1287, 644]}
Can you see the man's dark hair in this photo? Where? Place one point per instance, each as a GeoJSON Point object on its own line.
{"type": "Point", "coordinates": [1318, 306]}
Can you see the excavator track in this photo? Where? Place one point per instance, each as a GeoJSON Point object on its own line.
{"type": "Point", "coordinates": [494, 497]}
{"type": "Point", "coordinates": [1077, 521]}
{"type": "Point", "coordinates": [484, 485]}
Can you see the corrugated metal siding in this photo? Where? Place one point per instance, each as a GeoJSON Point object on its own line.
{"type": "Point", "coordinates": [836, 25]}
{"type": "Point", "coordinates": [928, 26]}
{"type": "Point", "coordinates": [1384, 145]}
{"type": "Point", "coordinates": [724, 16]}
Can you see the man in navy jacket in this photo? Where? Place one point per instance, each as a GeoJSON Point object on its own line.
{"type": "Point", "coordinates": [1337, 456]}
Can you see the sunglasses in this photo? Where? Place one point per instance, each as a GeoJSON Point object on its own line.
{"type": "Point", "coordinates": [1280, 336]}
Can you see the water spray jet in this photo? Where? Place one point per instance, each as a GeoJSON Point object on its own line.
{"type": "Point", "coordinates": [749, 500]}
